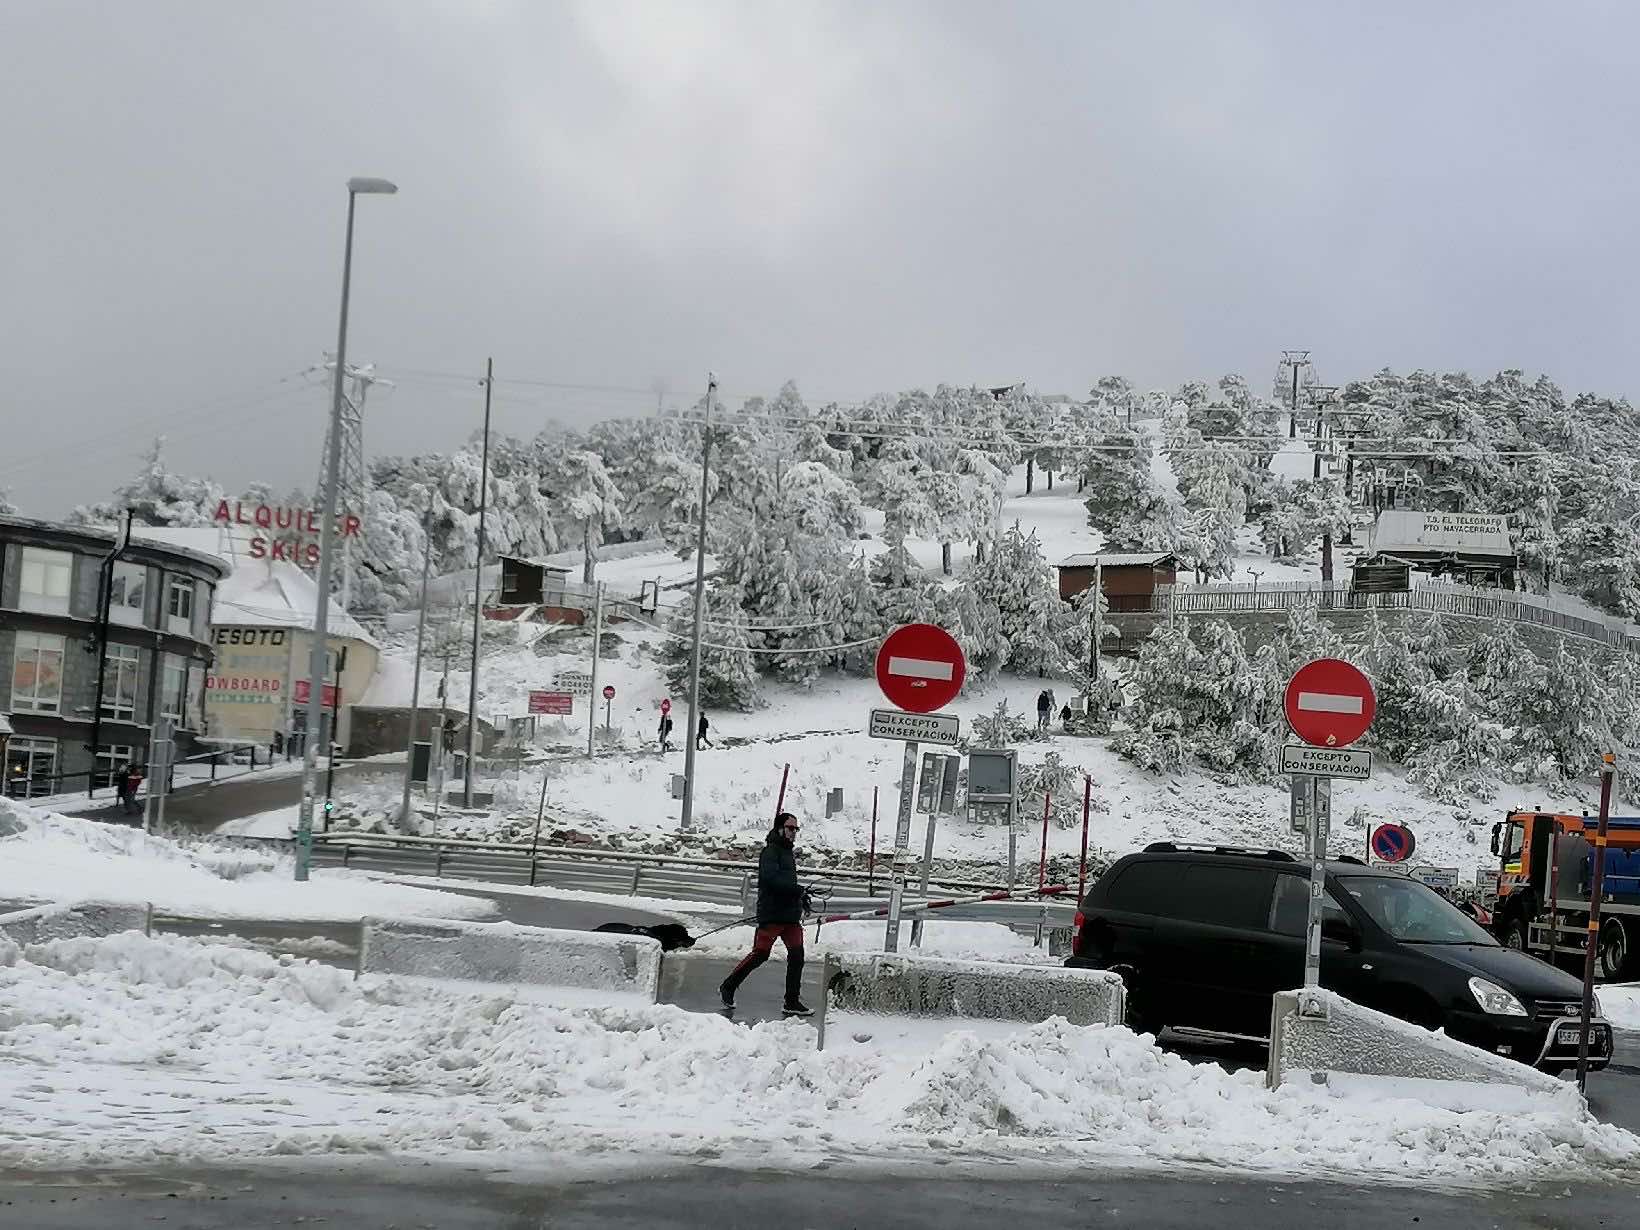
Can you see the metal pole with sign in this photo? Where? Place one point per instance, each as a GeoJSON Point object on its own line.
{"type": "Point", "coordinates": [592, 687]}
{"type": "Point", "coordinates": [1318, 798]}
{"type": "Point", "coordinates": [1596, 888]}
{"type": "Point", "coordinates": [902, 843]}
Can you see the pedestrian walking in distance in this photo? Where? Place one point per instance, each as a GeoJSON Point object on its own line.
{"type": "Point", "coordinates": [779, 916]}
{"type": "Point", "coordinates": [666, 732]}
{"type": "Point", "coordinates": [700, 735]}
{"type": "Point", "coordinates": [125, 787]}
{"type": "Point", "coordinates": [1044, 708]}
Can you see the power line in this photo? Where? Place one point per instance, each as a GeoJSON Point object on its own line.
{"type": "Point", "coordinates": [679, 636]}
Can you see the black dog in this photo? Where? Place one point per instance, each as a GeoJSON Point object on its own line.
{"type": "Point", "coordinates": [672, 936]}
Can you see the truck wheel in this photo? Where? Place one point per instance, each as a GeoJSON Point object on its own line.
{"type": "Point", "coordinates": [1615, 949]}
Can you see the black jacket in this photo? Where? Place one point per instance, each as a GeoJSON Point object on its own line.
{"type": "Point", "coordinates": [779, 894]}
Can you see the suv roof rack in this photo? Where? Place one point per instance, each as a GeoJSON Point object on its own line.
{"type": "Point", "coordinates": [1191, 847]}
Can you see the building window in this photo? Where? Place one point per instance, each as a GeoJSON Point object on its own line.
{"type": "Point", "coordinates": [37, 674]}
{"type": "Point", "coordinates": [119, 699]}
{"type": "Point", "coordinates": [111, 759]}
{"type": "Point", "coordinates": [127, 594]}
{"type": "Point", "coordinates": [173, 690]}
{"type": "Point", "coordinates": [179, 605]}
{"type": "Point", "coordinates": [31, 767]}
{"type": "Point", "coordinates": [46, 577]}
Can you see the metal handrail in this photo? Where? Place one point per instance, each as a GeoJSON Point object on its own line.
{"type": "Point", "coordinates": [405, 841]}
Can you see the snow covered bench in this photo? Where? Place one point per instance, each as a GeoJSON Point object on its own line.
{"type": "Point", "coordinates": [1321, 1031]}
{"type": "Point", "coordinates": [508, 953]}
{"type": "Point", "coordinates": [72, 920]}
{"type": "Point", "coordinates": [885, 985]}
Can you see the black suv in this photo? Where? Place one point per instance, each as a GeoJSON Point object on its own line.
{"type": "Point", "coordinates": [1204, 935]}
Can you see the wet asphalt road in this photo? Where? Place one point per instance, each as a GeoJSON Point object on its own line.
{"type": "Point", "coordinates": [825, 1196]}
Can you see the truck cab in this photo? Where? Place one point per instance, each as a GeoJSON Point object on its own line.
{"type": "Point", "coordinates": [1545, 866]}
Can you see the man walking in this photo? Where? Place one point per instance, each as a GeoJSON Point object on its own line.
{"type": "Point", "coordinates": [779, 916]}
{"type": "Point", "coordinates": [126, 781]}
{"type": "Point", "coordinates": [666, 732]}
{"type": "Point", "coordinates": [701, 741]}
{"type": "Point", "coordinates": [1044, 707]}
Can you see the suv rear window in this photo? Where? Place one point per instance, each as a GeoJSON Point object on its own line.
{"type": "Point", "coordinates": [1146, 888]}
{"type": "Point", "coordinates": [1225, 895]}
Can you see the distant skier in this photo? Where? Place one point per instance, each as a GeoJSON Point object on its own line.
{"type": "Point", "coordinates": [1044, 708]}
{"type": "Point", "coordinates": [700, 735]}
{"type": "Point", "coordinates": [666, 732]}
{"type": "Point", "coordinates": [779, 916]}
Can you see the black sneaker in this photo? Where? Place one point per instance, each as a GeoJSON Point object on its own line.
{"type": "Point", "coordinates": [727, 996]}
{"type": "Point", "coordinates": [797, 1008]}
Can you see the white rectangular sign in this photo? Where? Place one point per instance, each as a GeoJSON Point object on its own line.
{"type": "Point", "coordinates": [1346, 762]}
{"type": "Point", "coordinates": [1437, 877]}
{"type": "Point", "coordinates": [938, 728]}
{"type": "Point", "coordinates": [577, 683]}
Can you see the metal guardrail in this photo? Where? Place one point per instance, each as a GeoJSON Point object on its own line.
{"type": "Point", "coordinates": [349, 841]}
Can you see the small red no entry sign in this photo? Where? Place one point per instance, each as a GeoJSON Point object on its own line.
{"type": "Point", "coordinates": [1330, 703]}
{"type": "Point", "coordinates": [920, 668]}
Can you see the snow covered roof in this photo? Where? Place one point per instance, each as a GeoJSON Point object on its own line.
{"type": "Point", "coordinates": [257, 593]}
{"type": "Point", "coordinates": [1131, 559]}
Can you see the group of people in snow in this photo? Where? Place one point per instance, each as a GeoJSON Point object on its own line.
{"type": "Point", "coordinates": [664, 733]}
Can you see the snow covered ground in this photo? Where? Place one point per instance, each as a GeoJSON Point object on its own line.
{"type": "Point", "coordinates": [1621, 1003]}
{"type": "Point", "coordinates": [132, 1049]}
{"type": "Point", "coordinates": [50, 858]}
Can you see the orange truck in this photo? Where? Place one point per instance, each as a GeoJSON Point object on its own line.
{"type": "Point", "coordinates": [1546, 865]}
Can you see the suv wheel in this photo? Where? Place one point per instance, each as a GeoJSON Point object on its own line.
{"type": "Point", "coordinates": [1141, 1018]}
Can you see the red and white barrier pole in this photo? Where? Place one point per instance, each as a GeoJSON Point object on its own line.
{"type": "Point", "coordinates": [871, 858]}
{"type": "Point", "coordinates": [780, 803]}
{"type": "Point", "coordinates": [1042, 867]}
{"type": "Point", "coordinates": [1087, 806]}
{"type": "Point", "coordinates": [1053, 890]}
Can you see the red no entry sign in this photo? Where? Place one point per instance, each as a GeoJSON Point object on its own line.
{"type": "Point", "coordinates": [920, 668]}
{"type": "Point", "coordinates": [1329, 703]}
{"type": "Point", "coordinates": [609, 691]}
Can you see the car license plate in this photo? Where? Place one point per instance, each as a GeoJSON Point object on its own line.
{"type": "Point", "coordinates": [1566, 1035]}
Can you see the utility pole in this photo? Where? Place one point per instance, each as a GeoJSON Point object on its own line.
{"type": "Point", "coordinates": [478, 591]}
{"type": "Point", "coordinates": [101, 641]}
{"type": "Point", "coordinates": [415, 686]}
{"type": "Point", "coordinates": [1098, 628]}
{"type": "Point", "coordinates": [592, 688]}
{"type": "Point", "coordinates": [352, 483]}
{"type": "Point", "coordinates": [439, 750]}
{"type": "Point", "coordinates": [700, 598]}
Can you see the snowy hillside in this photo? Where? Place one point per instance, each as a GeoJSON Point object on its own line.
{"type": "Point", "coordinates": [818, 732]}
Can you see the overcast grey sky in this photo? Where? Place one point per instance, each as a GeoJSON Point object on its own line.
{"type": "Point", "coordinates": [861, 196]}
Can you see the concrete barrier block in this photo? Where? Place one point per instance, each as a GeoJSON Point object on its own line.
{"type": "Point", "coordinates": [509, 953]}
{"type": "Point", "coordinates": [893, 985]}
{"type": "Point", "coordinates": [74, 920]}
{"type": "Point", "coordinates": [1321, 1031]}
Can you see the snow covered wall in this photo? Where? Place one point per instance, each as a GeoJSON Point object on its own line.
{"type": "Point", "coordinates": [921, 986]}
{"type": "Point", "coordinates": [1350, 1038]}
{"type": "Point", "coordinates": [66, 922]}
{"type": "Point", "coordinates": [511, 954]}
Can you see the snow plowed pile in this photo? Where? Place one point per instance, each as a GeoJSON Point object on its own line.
{"type": "Point", "coordinates": [45, 857]}
{"type": "Point", "coordinates": [132, 1048]}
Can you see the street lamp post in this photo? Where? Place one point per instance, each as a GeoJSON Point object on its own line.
{"type": "Point", "coordinates": [327, 531]}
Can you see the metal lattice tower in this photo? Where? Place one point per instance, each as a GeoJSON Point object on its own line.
{"type": "Point", "coordinates": [352, 484]}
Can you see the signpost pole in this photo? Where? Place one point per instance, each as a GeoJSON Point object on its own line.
{"type": "Point", "coordinates": [1554, 888]}
{"type": "Point", "coordinates": [592, 688]}
{"type": "Point", "coordinates": [1087, 807]}
{"type": "Point", "coordinates": [871, 855]}
{"type": "Point", "coordinates": [540, 811]}
{"type": "Point", "coordinates": [927, 867]}
{"type": "Point", "coordinates": [1596, 887]}
{"type": "Point", "coordinates": [902, 842]}
{"type": "Point", "coordinates": [1318, 878]}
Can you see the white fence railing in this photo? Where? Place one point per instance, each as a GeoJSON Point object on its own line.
{"type": "Point", "coordinates": [1466, 601]}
